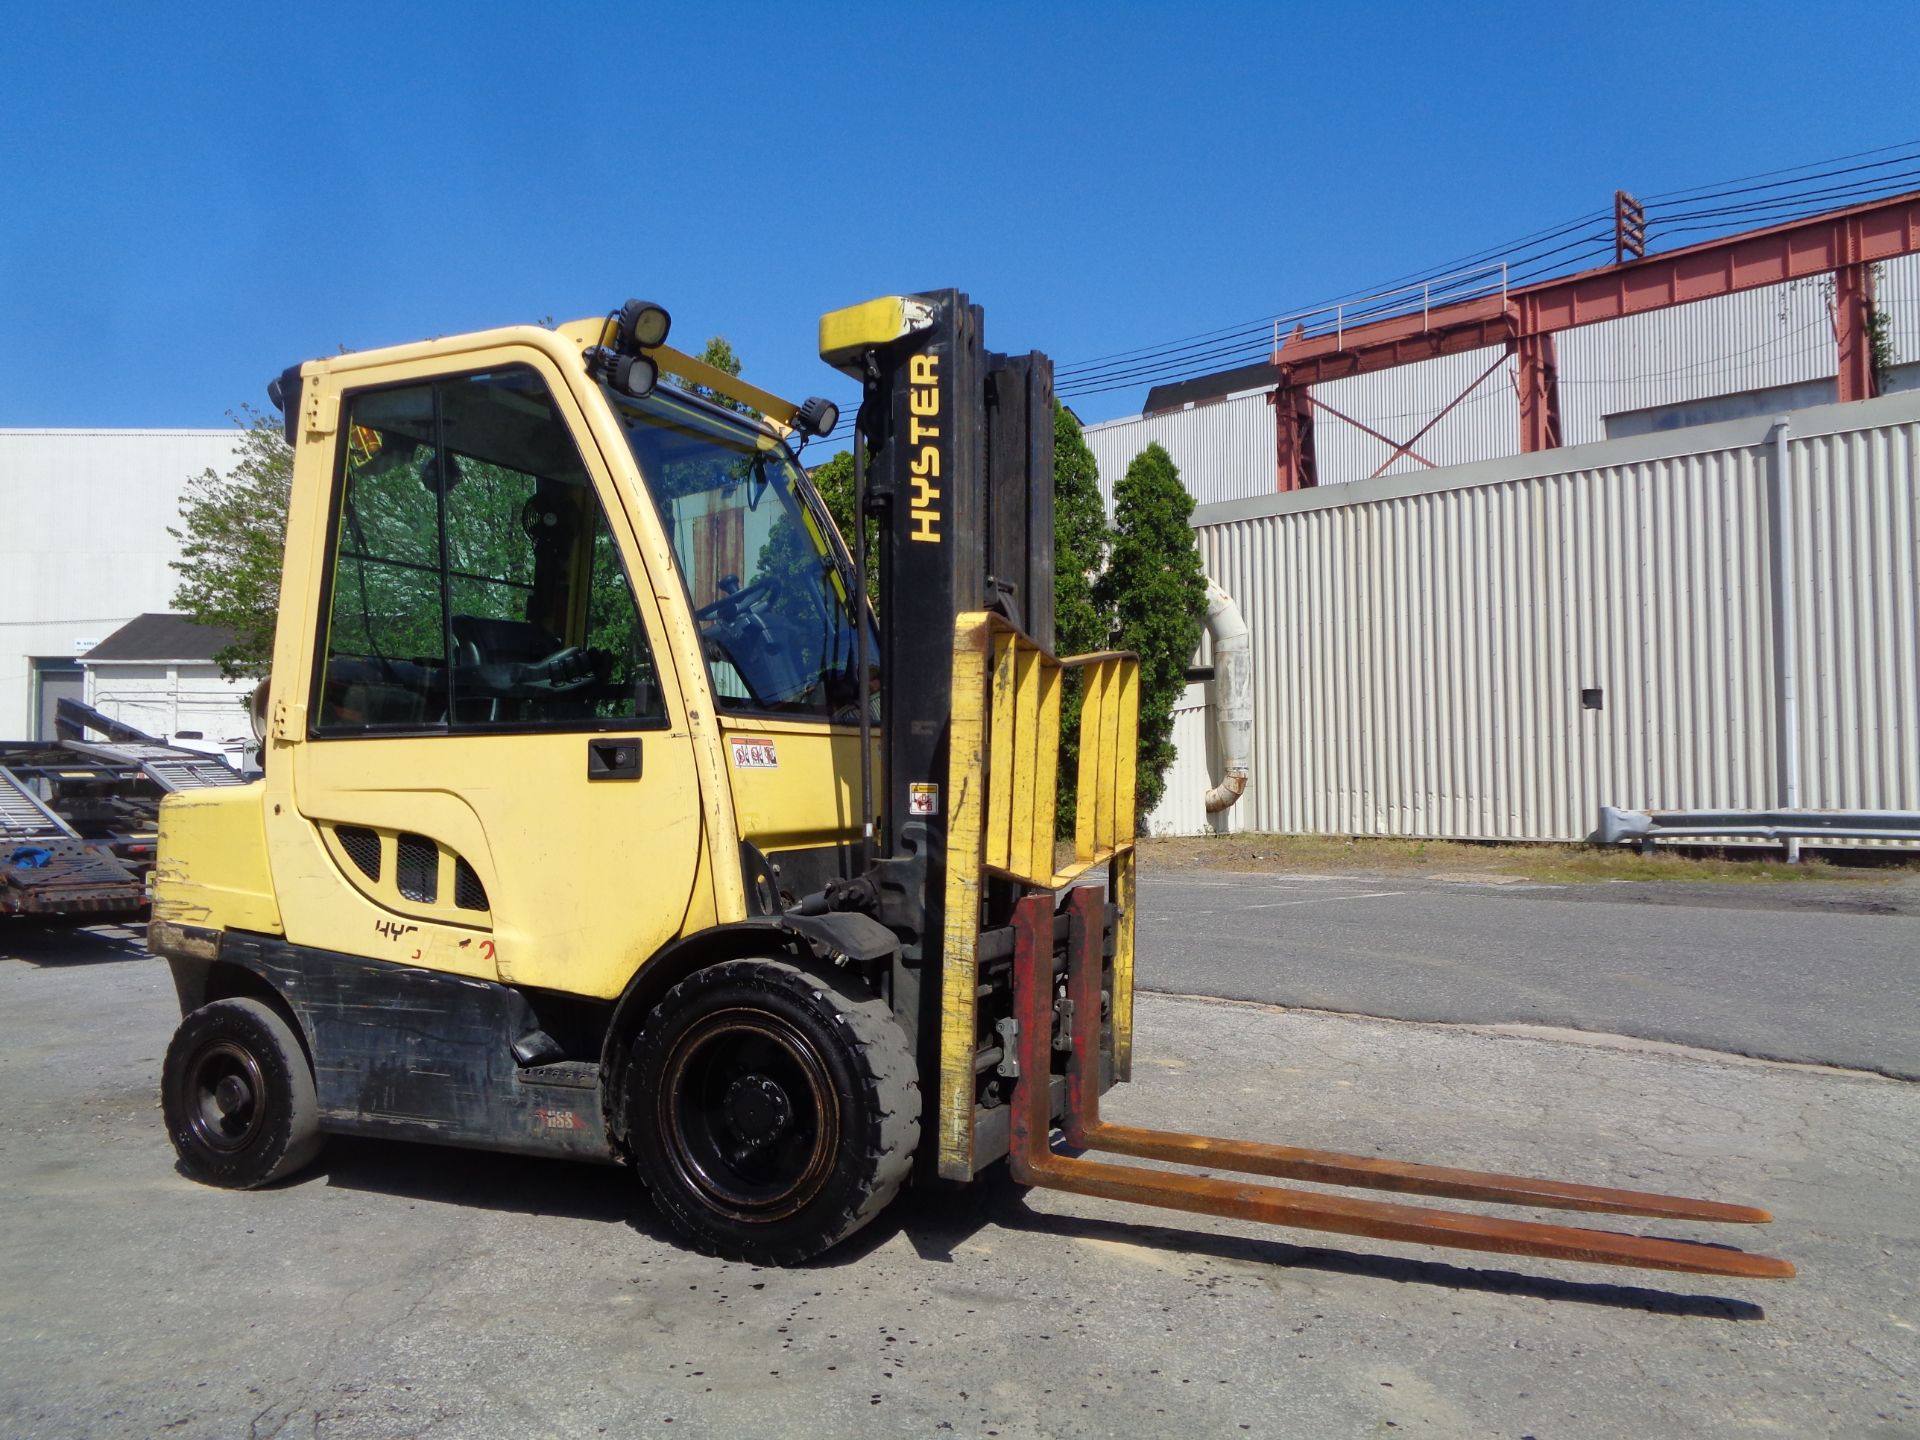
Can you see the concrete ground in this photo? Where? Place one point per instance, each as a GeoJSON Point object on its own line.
{"type": "Point", "coordinates": [1827, 974]}
{"type": "Point", "coordinates": [404, 1291]}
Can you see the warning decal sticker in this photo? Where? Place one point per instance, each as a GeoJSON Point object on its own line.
{"type": "Point", "coordinates": [750, 754]}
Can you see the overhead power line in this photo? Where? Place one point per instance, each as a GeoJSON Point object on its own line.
{"type": "Point", "coordinates": [1767, 197]}
{"type": "Point", "coordinates": [1719, 186]}
{"type": "Point", "coordinates": [1763, 198]}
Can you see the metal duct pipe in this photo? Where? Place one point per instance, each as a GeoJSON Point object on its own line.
{"type": "Point", "coordinates": [1233, 695]}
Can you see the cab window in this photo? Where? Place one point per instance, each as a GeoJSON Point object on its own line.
{"type": "Point", "coordinates": [475, 582]}
{"type": "Point", "coordinates": [769, 588]}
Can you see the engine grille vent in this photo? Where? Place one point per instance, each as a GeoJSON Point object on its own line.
{"type": "Point", "coordinates": [362, 847]}
{"type": "Point", "coordinates": [468, 892]}
{"type": "Point", "coordinates": [417, 869]}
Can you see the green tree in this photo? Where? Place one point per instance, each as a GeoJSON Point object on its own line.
{"type": "Point", "coordinates": [718, 353]}
{"type": "Point", "coordinates": [232, 530]}
{"type": "Point", "coordinates": [1080, 539]}
{"type": "Point", "coordinates": [1157, 593]}
{"type": "Point", "coordinates": [834, 480]}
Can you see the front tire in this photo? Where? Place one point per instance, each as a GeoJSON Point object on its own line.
{"type": "Point", "coordinates": [238, 1097]}
{"type": "Point", "coordinates": [773, 1109]}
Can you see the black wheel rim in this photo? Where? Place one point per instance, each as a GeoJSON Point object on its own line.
{"type": "Point", "coordinates": [747, 1111]}
{"type": "Point", "coordinates": [226, 1096]}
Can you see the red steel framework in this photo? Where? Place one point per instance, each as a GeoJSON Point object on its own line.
{"type": "Point", "coordinates": [1522, 322]}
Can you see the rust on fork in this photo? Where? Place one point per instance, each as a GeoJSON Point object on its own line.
{"type": "Point", "coordinates": [1035, 1161]}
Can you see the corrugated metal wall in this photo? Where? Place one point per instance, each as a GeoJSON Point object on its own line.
{"type": "Point", "coordinates": [1758, 339]}
{"type": "Point", "coordinates": [1425, 647]}
{"type": "Point", "coordinates": [1399, 402]}
{"type": "Point", "coordinates": [1224, 449]}
{"type": "Point", "coordinates": [1900, 297]}
{"type": "Point", "coordinates": [1182, 809]}
{"type": "Point", "coordinates": [1755, 340]}
{"type": "Point", "coordinates": [1856, 578]}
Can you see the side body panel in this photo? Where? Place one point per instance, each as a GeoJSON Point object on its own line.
{"type": "Point", "coordinates": [796, 785]}
{"type": "Point", "coordinates": [413, 1054]}
{"type": "Point", "coordinates": [210, 867]}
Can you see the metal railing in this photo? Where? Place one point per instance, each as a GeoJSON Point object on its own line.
{"type": "Point", "coordinates": [1640, 826]}
{"type": "Point", "coordinates": [1471, 284]}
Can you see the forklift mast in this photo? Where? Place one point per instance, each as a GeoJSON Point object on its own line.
{"type": "Point", "coordinates": [958, 502]}
{"type": "Point", "coordinates": [960, 489]}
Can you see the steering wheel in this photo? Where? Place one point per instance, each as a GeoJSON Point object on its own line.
{"type": "Point", "coordinates": [739, 599]}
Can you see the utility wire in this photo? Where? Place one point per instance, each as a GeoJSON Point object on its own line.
{"type": "Point", "coordinates": [1769, 196]}
{"type": "Point", "coordinates": [1265, 323]}
{"type": "Point", "coordinates": [1718, 186]}
{"type": "Point", "coordinates": [1253, 343]}
{"type": "Point", "coordinates": [1263, 327]}
{"type": "Point", "coordinates": [1837, 197]}
{"type": "Point", "coordinates": [1676, 212]}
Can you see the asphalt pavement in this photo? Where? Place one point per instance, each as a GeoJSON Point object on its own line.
{"type": "Point", "coordinates": [396, 1290]}
{"type": "Point", "coordinates": [1814, 971]}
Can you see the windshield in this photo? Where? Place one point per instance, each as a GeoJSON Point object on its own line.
{"type": "Point", "coordinates": [772, 596]}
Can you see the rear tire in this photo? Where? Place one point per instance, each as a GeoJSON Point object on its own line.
{"type": "Point", "coordinates": [773, 1109]}
{"type": "Point", "coordinates": [237, 1093]}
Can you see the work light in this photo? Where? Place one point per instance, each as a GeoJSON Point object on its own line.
{"type": "Point", "coordinates": [643, 325]}
{"type": "Point", "coordinates": [634, 375]}
{"type": "Point", "coordinates": [817, 417]}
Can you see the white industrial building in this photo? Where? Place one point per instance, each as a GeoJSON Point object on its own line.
{"type": "Point", "coordinates": [158, 674]}
{"type": "Point", "coordinates": [85, 551]}
{"type": "Point", "coordinates": [1720, 618]}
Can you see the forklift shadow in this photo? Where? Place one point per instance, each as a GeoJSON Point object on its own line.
{"type": "Point", "coordinates": [488, 1180]}
{"type": "Point", "coordinates": [56, 944]}
{"type": "Point", "coordinates": [935, 1220]}
{"type": "Point", "coordinates": [936, 1223]}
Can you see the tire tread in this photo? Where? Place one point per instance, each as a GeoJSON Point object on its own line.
{"type": "Point", "coordinates": [302, 1138]}
{"type": "Point", "coordinates": [886, 1068]}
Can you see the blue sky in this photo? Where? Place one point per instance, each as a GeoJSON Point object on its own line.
{"type": "Point", "coordinates": [195, 197]}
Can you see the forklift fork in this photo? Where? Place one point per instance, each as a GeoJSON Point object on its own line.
{"type": "Point", "coordinates": [1035, 1161]}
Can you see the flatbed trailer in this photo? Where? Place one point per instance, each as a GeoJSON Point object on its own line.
{"type": "Point", "coordinates": [79, 818]}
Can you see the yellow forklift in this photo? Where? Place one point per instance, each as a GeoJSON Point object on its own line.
{"type": "Point", "coordinates": [602, 819]}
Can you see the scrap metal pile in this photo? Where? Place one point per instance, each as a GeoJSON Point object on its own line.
{"type": "Point", "coordinates": [78, 817]}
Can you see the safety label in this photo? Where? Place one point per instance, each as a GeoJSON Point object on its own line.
{"type": "Point", "coordinates": [753, 754]}
{"type": "Point", "coordinates": [923, 798]}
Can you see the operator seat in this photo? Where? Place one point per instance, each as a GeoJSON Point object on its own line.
{"type": "Point", "coordinates": [487, 654]}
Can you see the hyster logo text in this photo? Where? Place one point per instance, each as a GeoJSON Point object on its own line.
{"type": "Point", "coordinates": [923, 400]}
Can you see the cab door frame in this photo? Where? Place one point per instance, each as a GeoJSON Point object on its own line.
{"type": "Point", "coordinates": [303, 867]}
